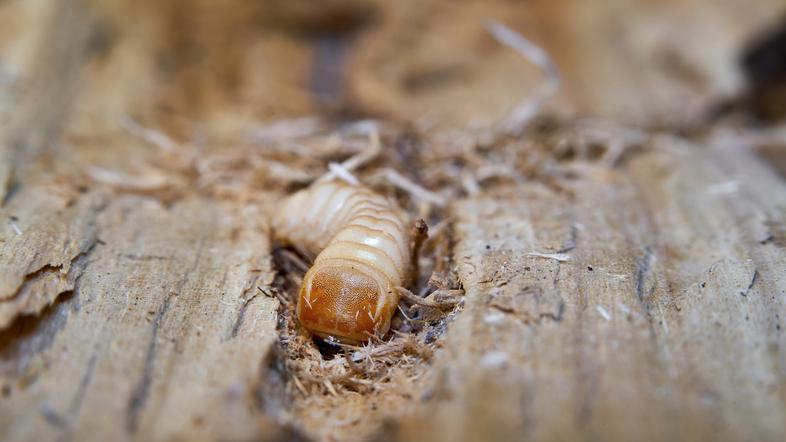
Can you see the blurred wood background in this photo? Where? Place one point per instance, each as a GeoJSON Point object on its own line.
{"type": "Point", "coordinates": [129, 307]}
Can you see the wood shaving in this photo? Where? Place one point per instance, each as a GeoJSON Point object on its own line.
{"type": "Point", "coordinates": [561, 257]}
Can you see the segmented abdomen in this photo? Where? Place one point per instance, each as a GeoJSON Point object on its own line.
{"type": "Point", "coordinates": [361, 244]}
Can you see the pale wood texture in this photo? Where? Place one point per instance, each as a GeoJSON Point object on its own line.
{"type": "Point", "coordinates": [163, 337]}
{"type": "Point", "coordinates": [130, 262]}
{"type": "Point", "coordinates": [666, 322]}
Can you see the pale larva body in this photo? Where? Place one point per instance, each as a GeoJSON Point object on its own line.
{"type": "Point", "coordinates": [362, 247]}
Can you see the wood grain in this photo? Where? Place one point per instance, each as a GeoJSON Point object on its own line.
{"type": "Point", "coordinates": [129, 309]}
{"type": "Point", "coordinates": [45, 249]}
{"type": "Point", "coordinates": [664, 324]}
{"type": "Point", "coordinates": [163, 336]}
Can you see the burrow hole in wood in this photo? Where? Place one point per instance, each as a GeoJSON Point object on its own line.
{"type": "Point", "coordinates": [325, 389]}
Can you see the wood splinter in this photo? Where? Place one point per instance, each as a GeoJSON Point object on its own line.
{"type": "Point", "coordinates": [439, 299]}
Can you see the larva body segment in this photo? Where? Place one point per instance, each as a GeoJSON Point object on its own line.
{"type": "Point", "coordinates": [361, 243]}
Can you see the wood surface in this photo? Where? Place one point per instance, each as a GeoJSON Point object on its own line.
{"type": "Point", "coordinates": [628, 285]}
{"type": "Point", "coordinates": [666, 322]}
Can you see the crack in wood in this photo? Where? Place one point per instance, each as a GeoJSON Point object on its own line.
{"type": "Point", "coordinates": [142, 389]}
{"type": "Point", "coordinates": [51, 416]}
{"type": "Point", "coordinates": [67, 422]}
{"type": "Point", "coordinates": [248, 295]}
{"type": "Point", "coordinates": [76, 267]}
{"type": "Point", "coordinates": [12, 188]}
{"type": "Point", "coordinates": [526, 317]}
{"type": "Point", "coordinates": [30, 335]}
{"type": "Point", "coordinates": [643, 265]}
{"type": "Point", "coordinates": [40, 273]}
{"type": "Point", "coordinates": [572, 242]}
{"type": "Point", "coordinates": [754, 278]}
{"type": "Point", "coordinates": [135, 257]}
{"type": "Point", "coordinates": [79, 395]}
{"type": "Point", "coordinates": [555, 286]}
{"type": "Point", "coordinates": [554, 317]}
{"type": "Point", "coordinates": [240, 317]}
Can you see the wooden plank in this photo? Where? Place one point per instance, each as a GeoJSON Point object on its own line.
{"type": "Point", "coordinates": [162, 338]}
{"type": "Point", "coordinates": [664, 324]}
{"type": "Point", "coordinates": [131, 313]}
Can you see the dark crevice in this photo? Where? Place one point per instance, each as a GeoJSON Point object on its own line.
{"type": "Point", "coordinates": [12, 189]}
{"type": "Point", "coordinates": [643, 265]}
{"type": "Point", "coordinates": [66, 422]}
{"type": "Point", "coordinates": [52, 417]}
{"type": "Point", "coordinates": [248, 295]}
{"type": "Point", "coordinates": [79, 395]}
{"type": "Point", "coordinates": [272, 397]}
{"type": "Point", "coordinates": [764, 64]}
{"type": "Point", "coordinates": [750, 286]}
{"type": "Point", "coordinates": [142, 389]}
{"type": "Point", "coordinates": [29, 335]}
{"type": "Point", "coordinates": [572, 242]}
{"type": "Point", "coordinates": [327, 349]}
{"type": "Point", "coordinates": [556, 317]}
{"type": "Point", "coordinates": [43, 272]}
{"type": "Point", "coordinates": [141, 392]}
{"type": "Point", "coordinates": [240, 316]}
{"type": "Point", "coordinates": [136, 257]}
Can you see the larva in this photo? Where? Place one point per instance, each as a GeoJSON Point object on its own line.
{"type": "Point", "coordinates": [362, 249]}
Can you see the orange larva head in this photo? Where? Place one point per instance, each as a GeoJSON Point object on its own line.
{"type": "Point", "coordinates": [343, 302]}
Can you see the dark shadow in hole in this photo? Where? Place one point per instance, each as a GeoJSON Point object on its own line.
{"type": "Point", "coordinates": [327, 349]}
{"type": "Point", "coordinates": [29, 335]}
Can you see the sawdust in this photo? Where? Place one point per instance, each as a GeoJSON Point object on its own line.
{"type": "Point", "coordinates": [342, 391]}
